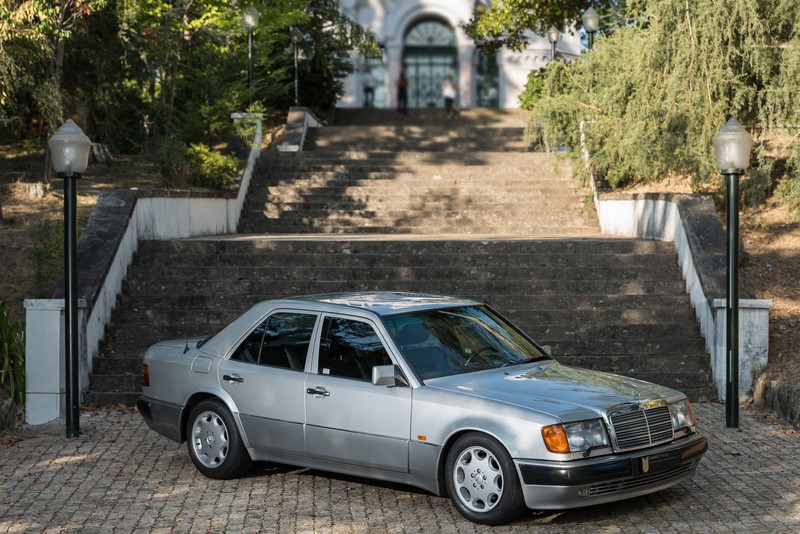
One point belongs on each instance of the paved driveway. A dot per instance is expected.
(121, 477)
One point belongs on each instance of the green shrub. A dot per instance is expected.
(211, 169)
(171, 159)
(12, 354)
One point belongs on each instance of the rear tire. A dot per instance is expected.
(482, 480)
(214, 443)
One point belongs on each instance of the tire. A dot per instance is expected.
(214, 443)
(482, 480)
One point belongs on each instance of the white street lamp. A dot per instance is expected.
(250, 20)
(297, 37)
(732, 146)
(69, 151)
(591, 23)
(553, 35)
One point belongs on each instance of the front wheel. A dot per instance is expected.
(214, 443)
(482, 480)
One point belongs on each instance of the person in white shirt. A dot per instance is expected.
(449, 93)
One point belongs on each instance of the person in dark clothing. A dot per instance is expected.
(368, 81)
(402, 94)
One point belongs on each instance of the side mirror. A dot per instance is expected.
(388, 375)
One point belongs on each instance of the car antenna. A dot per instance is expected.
(186, 348)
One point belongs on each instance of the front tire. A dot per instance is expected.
(214, 444)
(482, 480)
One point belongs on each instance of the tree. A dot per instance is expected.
(652, 95)
(330, 38)
(508, 23)
(23, 51)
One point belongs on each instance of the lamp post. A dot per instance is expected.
(250, 21)
(591, 23)
(732, 145)
(553, 36)
(69, 150)
(297, 36)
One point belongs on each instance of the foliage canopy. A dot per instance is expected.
(650, 96)
(135, 72)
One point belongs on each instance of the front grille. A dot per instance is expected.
(641, 428)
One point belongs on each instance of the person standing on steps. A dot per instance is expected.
(449, 93)
(402, 94)
(368, 82)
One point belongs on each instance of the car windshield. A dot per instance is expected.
(445, 342)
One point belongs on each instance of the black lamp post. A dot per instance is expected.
(553, 36)
(591, 23)
(69, 150)
(250, 21)
(732, 145)
(297, 36)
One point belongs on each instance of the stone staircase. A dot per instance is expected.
(502, 225)
(414, 177)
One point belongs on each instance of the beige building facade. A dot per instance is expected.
(425, 39)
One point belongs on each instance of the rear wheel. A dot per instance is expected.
(214, 443)
(482, 480)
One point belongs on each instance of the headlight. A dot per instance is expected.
(682, 415)
(575, 437)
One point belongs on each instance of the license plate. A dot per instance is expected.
(655, 463)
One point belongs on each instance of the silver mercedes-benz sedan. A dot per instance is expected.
(437, 392)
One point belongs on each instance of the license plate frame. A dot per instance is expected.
(656, 463)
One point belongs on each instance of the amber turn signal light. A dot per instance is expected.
(555, 439)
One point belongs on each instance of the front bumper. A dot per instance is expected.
(562, 485)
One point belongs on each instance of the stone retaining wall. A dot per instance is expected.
(779, 398)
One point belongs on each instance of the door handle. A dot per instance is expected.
(318, 391)
(233, 378)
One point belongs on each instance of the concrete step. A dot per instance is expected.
(465, 164)
(518, 259)
(345, 272)
(408, 245)
(399, 159)
(464, 119)
(457, 196)
(493, 290)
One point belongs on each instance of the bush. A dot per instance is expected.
(171, 159)
(212, 169)
(12, 354)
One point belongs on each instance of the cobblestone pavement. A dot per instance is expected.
(119, 476)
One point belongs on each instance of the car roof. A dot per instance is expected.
(385, 303)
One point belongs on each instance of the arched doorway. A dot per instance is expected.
(429, 55)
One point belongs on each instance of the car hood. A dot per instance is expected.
(568, 393)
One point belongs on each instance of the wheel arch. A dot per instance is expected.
(196, 399)
(447, 446)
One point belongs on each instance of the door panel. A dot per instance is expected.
(265, 376)
(271, 403)
(348, 419)
(358, 423)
